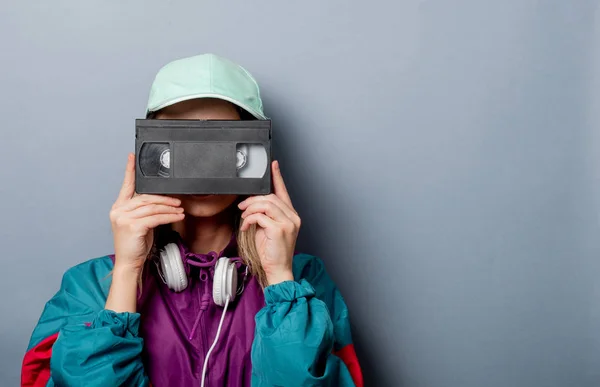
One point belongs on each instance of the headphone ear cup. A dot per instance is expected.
(172, 268)
(225, 281)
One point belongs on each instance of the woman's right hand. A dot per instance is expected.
(133, 219)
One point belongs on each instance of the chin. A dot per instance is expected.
(206, 206)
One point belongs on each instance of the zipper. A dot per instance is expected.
(200, 326)
(193, 332)
(205, 304)
(204, 350)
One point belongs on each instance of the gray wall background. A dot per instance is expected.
(444, 156)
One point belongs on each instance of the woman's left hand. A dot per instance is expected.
(278, 225)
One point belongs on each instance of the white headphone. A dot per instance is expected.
(174, 276)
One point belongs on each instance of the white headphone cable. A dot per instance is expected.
(215, 342)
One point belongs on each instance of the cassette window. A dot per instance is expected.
(251, 160)
(155, 159)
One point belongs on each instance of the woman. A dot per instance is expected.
(114, 320)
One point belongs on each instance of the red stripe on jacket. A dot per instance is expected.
(348, 356)
(36, 364)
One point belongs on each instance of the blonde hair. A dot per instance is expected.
(249, 253)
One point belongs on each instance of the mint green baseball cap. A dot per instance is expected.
(205, 76)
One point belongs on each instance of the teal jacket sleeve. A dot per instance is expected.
(76, 342)
(303, 333)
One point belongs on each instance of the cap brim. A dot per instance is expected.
(173, 101)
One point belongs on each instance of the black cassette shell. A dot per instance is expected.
(201, 156)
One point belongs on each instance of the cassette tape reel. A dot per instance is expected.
(155, 159)
(203, 157)
(251, 160)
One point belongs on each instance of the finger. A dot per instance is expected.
(261, 219)
(267, 208)
(278, 184)
(128, 187)
(154, 221)
(154, 209)
(143, 200)
(290, 212)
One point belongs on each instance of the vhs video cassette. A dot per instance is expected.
(203, 157)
